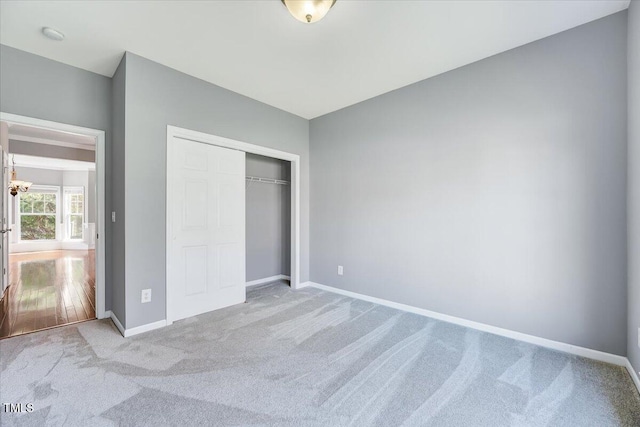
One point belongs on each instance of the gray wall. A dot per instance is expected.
(40, 176)
(38, 87)
(633, 350)
(34, 86)
(268, 227)
(116, 181)
(495, 192)
(157, 96)
(51, 151)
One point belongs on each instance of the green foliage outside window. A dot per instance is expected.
(37, 216)
(38, 227)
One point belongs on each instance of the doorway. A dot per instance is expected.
(175, 134)
(53, 254)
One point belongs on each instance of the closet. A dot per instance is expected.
(268, 219)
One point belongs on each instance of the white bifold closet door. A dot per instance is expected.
(206, 202)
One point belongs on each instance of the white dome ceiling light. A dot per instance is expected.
(308, 11)
(52, 34)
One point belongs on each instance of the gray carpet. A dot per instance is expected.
(305, 358)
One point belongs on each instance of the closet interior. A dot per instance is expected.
(268, 219)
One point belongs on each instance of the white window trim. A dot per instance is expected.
(34, 189)
(73, 189)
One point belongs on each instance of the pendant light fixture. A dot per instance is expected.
(16, 185)
(308, 11)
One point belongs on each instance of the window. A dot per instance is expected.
(74, 212)
(38, 212)
(45, 213)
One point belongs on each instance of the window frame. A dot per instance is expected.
(73, 190)
(40, 189)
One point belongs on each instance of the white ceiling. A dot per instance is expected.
(360, 50)
(25, 161)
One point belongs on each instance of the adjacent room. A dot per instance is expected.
(51, 234)
(320, 213)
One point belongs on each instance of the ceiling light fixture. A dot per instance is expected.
(308, 11)
(16, 185)
(52, 34)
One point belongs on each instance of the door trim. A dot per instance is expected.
(191, 135)
(99, 136)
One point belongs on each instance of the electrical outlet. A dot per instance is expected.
(146, 296)
(340, 270)
(113, 217)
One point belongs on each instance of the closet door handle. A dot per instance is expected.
(5, 231)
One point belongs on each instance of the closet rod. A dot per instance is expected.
(267, 180)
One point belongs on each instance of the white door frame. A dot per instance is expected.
(191, 135)
(99, 136)
(4, 221)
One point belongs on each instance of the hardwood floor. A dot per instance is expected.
(48, 289)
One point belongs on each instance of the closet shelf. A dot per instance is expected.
(266, 180)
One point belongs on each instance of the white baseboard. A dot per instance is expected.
(303, 285)
(137, 330)
(145, 328)
(634, 375)
(543, 342)
(46, 246)
(267, 280)
(116, 322)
